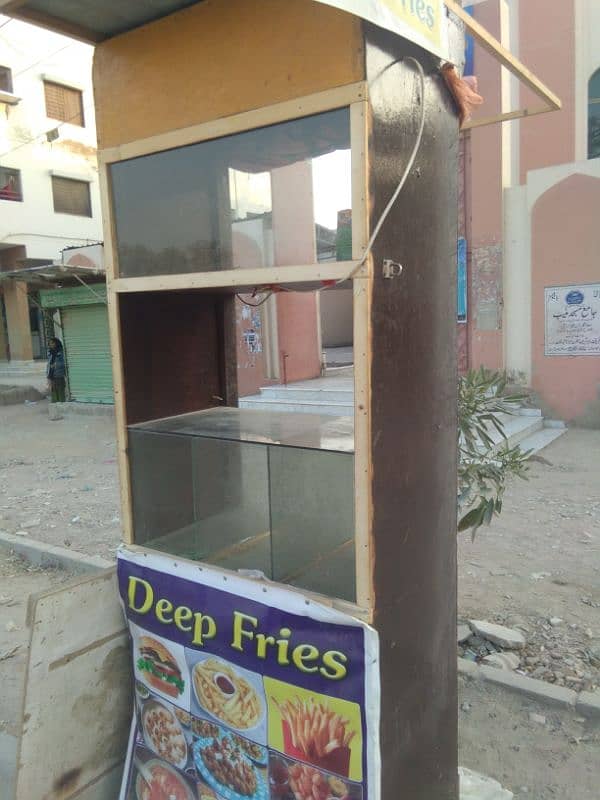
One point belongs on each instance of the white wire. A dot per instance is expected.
(405, 174)
(392, 200)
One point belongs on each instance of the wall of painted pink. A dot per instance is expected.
(294, 243)
(547, 47)
(484, 210)
(564, 250)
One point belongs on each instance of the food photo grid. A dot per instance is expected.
(210, 730)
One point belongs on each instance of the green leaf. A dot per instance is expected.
(471, 519)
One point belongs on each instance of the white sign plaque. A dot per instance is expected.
(572, 320)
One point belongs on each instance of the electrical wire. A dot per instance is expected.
(43, 134)
(405, 174)
(270, 293)
(386, 210)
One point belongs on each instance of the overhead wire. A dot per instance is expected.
(42, 134)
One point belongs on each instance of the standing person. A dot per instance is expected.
(55, 370)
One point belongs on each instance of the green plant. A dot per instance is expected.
(484, 466)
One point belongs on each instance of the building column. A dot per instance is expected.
(17, 321)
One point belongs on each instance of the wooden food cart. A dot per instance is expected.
(366, 515)
(213, 122)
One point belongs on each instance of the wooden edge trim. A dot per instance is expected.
(359, 131)
(327, 100)
(507, 116)
(355, 610)
(508, 60)
(232, 278)
(114, 329)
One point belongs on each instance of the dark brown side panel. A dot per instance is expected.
(173, 353)
(413, 324)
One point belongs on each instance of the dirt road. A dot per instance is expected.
(539, 561)
(58, 480)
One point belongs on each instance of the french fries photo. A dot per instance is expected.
(226, 695)
(316, 730)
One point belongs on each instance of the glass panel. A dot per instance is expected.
(161, 484)
(248, 489)
(272, 196)
(312, 518)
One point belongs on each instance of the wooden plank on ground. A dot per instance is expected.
(78, 693)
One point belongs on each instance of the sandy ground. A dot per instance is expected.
(539, 560)
(551, 755)
(58, 480)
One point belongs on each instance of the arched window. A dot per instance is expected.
(594, 115)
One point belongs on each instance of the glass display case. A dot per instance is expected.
(223, 203)
(251, 489)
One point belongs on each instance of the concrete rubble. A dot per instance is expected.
(474, 786)
(509, 638)
(508, 661)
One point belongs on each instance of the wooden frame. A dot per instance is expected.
(241, 279)
(353, 95)
(316, 103)
(359, 133)
(114, 327)
(513, 65)
(306, 275)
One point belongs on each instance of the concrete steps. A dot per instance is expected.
(527, 428)
(330, 395)
(304, 407)
(21, 369)
(334, 395)
(517, 427)
(537, 441)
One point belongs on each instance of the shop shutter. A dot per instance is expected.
(87, 346)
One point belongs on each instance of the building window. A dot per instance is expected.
(71, 196)
(64, 103)
(10, 184)
(6, 84)
(594, 115)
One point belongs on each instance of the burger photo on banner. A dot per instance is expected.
(161, 666)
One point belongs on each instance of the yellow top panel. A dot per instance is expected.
(218, 58)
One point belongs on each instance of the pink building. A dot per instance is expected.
(532, 209)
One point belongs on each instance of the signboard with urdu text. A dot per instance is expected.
(245, 690)
(572, 320)
(421, 21)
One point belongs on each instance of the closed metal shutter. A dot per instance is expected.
(87, 349)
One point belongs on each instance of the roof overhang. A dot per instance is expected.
(49, 275)
(91, 21)
(97, 20)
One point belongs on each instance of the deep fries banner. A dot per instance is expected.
(245, 690)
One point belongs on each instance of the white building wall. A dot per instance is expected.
(32, 53)
(517, 283)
